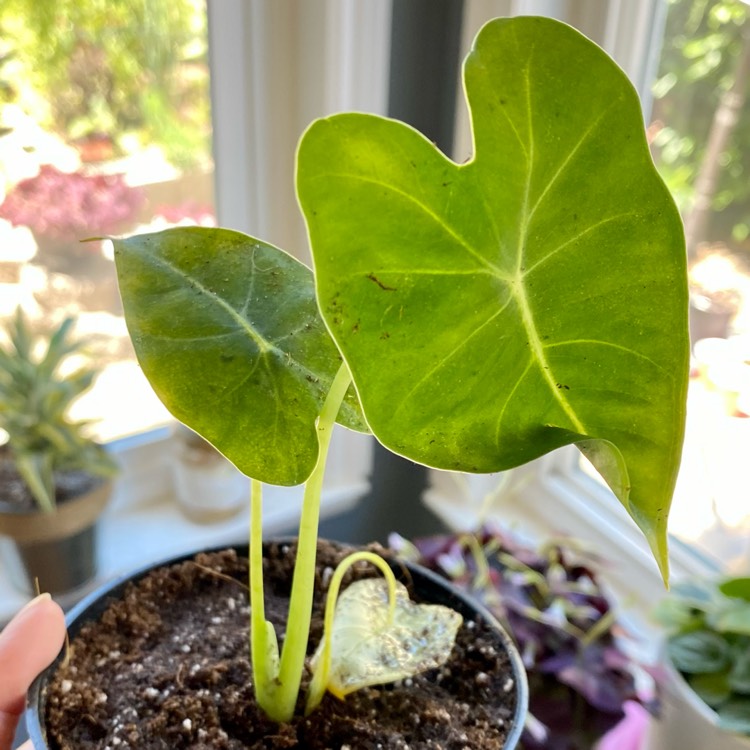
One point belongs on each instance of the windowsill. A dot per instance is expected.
(554, 498)
(143, 523)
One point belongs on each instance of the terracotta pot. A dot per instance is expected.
(57, 549)
(426, 585)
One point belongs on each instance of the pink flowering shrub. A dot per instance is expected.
(72, 206)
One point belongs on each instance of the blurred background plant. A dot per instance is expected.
(700, 138)
(43, 443)
(708, 642)
(581, 680)
(67, 206)
(112, 74)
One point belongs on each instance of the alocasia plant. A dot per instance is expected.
(486, 312)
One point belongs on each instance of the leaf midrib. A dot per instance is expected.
(265, 346)
(517, 287)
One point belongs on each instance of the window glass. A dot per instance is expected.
(104, 130)
(699, 132)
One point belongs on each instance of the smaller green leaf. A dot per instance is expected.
(227, 330)
(699, 652)
(736, 588)
(370, 648)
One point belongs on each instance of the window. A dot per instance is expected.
(105, 129)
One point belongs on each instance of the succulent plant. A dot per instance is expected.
(550, 600)
(34, 400)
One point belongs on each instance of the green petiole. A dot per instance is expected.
(320, 678)
(277, 683)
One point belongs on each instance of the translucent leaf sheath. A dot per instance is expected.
(533, 297)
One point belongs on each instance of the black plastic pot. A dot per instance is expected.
(427, 585)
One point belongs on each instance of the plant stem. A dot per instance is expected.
(263, 645)
(321, 671)
(294, 650)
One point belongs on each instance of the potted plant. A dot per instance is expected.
(207, 486)
(581, 680)
(707, 666)
(471, 317)
(54, 479)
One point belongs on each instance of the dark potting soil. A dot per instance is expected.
(167, 667)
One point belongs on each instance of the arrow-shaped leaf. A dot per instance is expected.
(227, 330)
(533, 297)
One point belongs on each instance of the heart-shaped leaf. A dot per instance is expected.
(370, 648)
(532, 297)
(227, 330)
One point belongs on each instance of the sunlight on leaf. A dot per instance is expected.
(532, 297)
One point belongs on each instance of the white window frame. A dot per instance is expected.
(275, 67)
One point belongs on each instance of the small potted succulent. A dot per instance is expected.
(54, 479)
(472, 317)
(580, 678)
(707, 665)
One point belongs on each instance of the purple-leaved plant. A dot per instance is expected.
(565, 628)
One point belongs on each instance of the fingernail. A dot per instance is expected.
(36, 600)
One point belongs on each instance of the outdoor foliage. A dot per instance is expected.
(564, 625)
(708, 626)
(114, 67)
(67, 207)
(704, 42)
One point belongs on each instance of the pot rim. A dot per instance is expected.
(93, 605)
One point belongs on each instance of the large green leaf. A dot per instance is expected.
(532, 297)
(227, 330)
